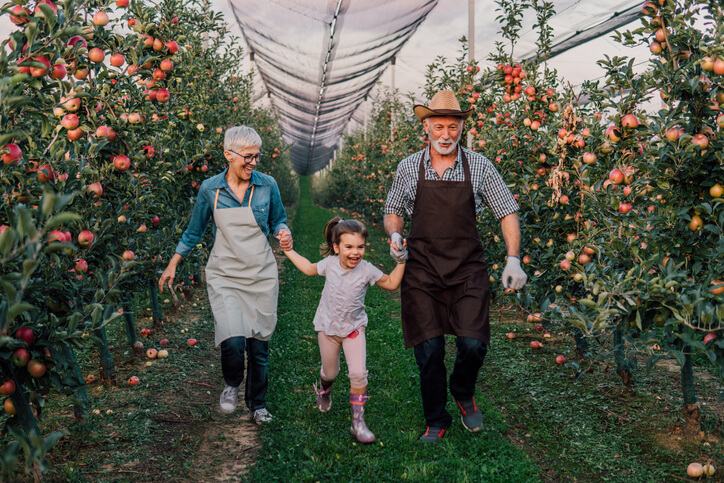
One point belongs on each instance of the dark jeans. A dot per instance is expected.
(430, 357)
(257, 377)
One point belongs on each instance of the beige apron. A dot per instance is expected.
(241, 276)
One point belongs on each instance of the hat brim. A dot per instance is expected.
(423, 112)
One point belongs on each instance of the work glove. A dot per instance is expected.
(513, 276)
(397, 251)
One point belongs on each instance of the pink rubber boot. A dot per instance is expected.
(359, 428)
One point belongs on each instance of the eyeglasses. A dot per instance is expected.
(249, 158)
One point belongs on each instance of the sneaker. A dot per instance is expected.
(470, 415)
(432, 434)
(262, 416)
(228, 399)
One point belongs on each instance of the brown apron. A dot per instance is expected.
(445, 286)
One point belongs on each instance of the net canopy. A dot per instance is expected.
(319, 60)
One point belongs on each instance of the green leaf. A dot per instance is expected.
(16, 309)
(62, 218)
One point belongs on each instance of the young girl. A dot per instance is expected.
(341, 319)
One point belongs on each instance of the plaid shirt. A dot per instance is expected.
(489, 188)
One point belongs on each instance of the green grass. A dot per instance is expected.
(303, 444)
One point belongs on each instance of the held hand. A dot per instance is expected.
(397, 248)
(513, 276)
(167, 276)
(285, 240)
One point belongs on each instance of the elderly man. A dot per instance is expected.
(445, 287)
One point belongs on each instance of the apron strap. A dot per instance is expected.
(216, 201)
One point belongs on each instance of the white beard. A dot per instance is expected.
(441, 150)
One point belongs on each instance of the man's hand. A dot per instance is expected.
(397, 249)
(285, 240)
(513, 276)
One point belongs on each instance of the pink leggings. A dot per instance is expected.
(355, 353)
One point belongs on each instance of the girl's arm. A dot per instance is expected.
(304, 265)
(394, 279)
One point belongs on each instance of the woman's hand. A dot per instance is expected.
(285, 239)
(169, 274)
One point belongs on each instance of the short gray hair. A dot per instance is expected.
(238, 138)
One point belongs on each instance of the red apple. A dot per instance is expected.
(122, 3)
(142, 229)
(560, 360)
(589, 158)
(151, 353)
(96, 55)
(708, 338)
(163, 341)
(121, 162)
(565, 264)
(510, 335)
(117, 60)
(81, 265)
(95, 190)
(85, 238)
(191, 342)
(157, 44)
(7, 388)
(75, 134)
(59, 72)
(70, 121)
(26, 335)
(719, 66)
(630, 121)
(134, 381)
(149, 151)
(616, 176)
(701, 140)
(172, 46)
(624, 207)
(155, 220)
(128, 255)
(20, 357)
(100, 18)
(162, 95)
(36, 368)
(12, 154)
(40, 71)
(535, 344)
(166, 65)
(19, 15)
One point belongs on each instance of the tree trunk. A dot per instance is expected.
(692, 409)
(156, 311)
(619, 354)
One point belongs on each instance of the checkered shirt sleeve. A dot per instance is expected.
(489, 187)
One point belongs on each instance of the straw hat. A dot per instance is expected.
(444, 103)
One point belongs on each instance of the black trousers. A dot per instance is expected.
(430, 357)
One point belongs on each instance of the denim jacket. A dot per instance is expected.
(266, 205)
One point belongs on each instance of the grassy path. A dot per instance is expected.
(305, 445)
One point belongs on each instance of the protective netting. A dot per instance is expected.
(579, 21)
(320, 59)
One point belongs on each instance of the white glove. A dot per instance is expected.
(397, 251)
(513, 276)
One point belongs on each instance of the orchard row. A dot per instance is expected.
(621, 208)
(112, 115)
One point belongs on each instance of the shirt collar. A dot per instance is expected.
(219, 181)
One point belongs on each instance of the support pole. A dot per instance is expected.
(251, 61)
(394, 98)
(471, 48)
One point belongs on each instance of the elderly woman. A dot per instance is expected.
(241, 274)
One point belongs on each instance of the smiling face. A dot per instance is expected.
(239, 170)
(444, 133)
(350, 249)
